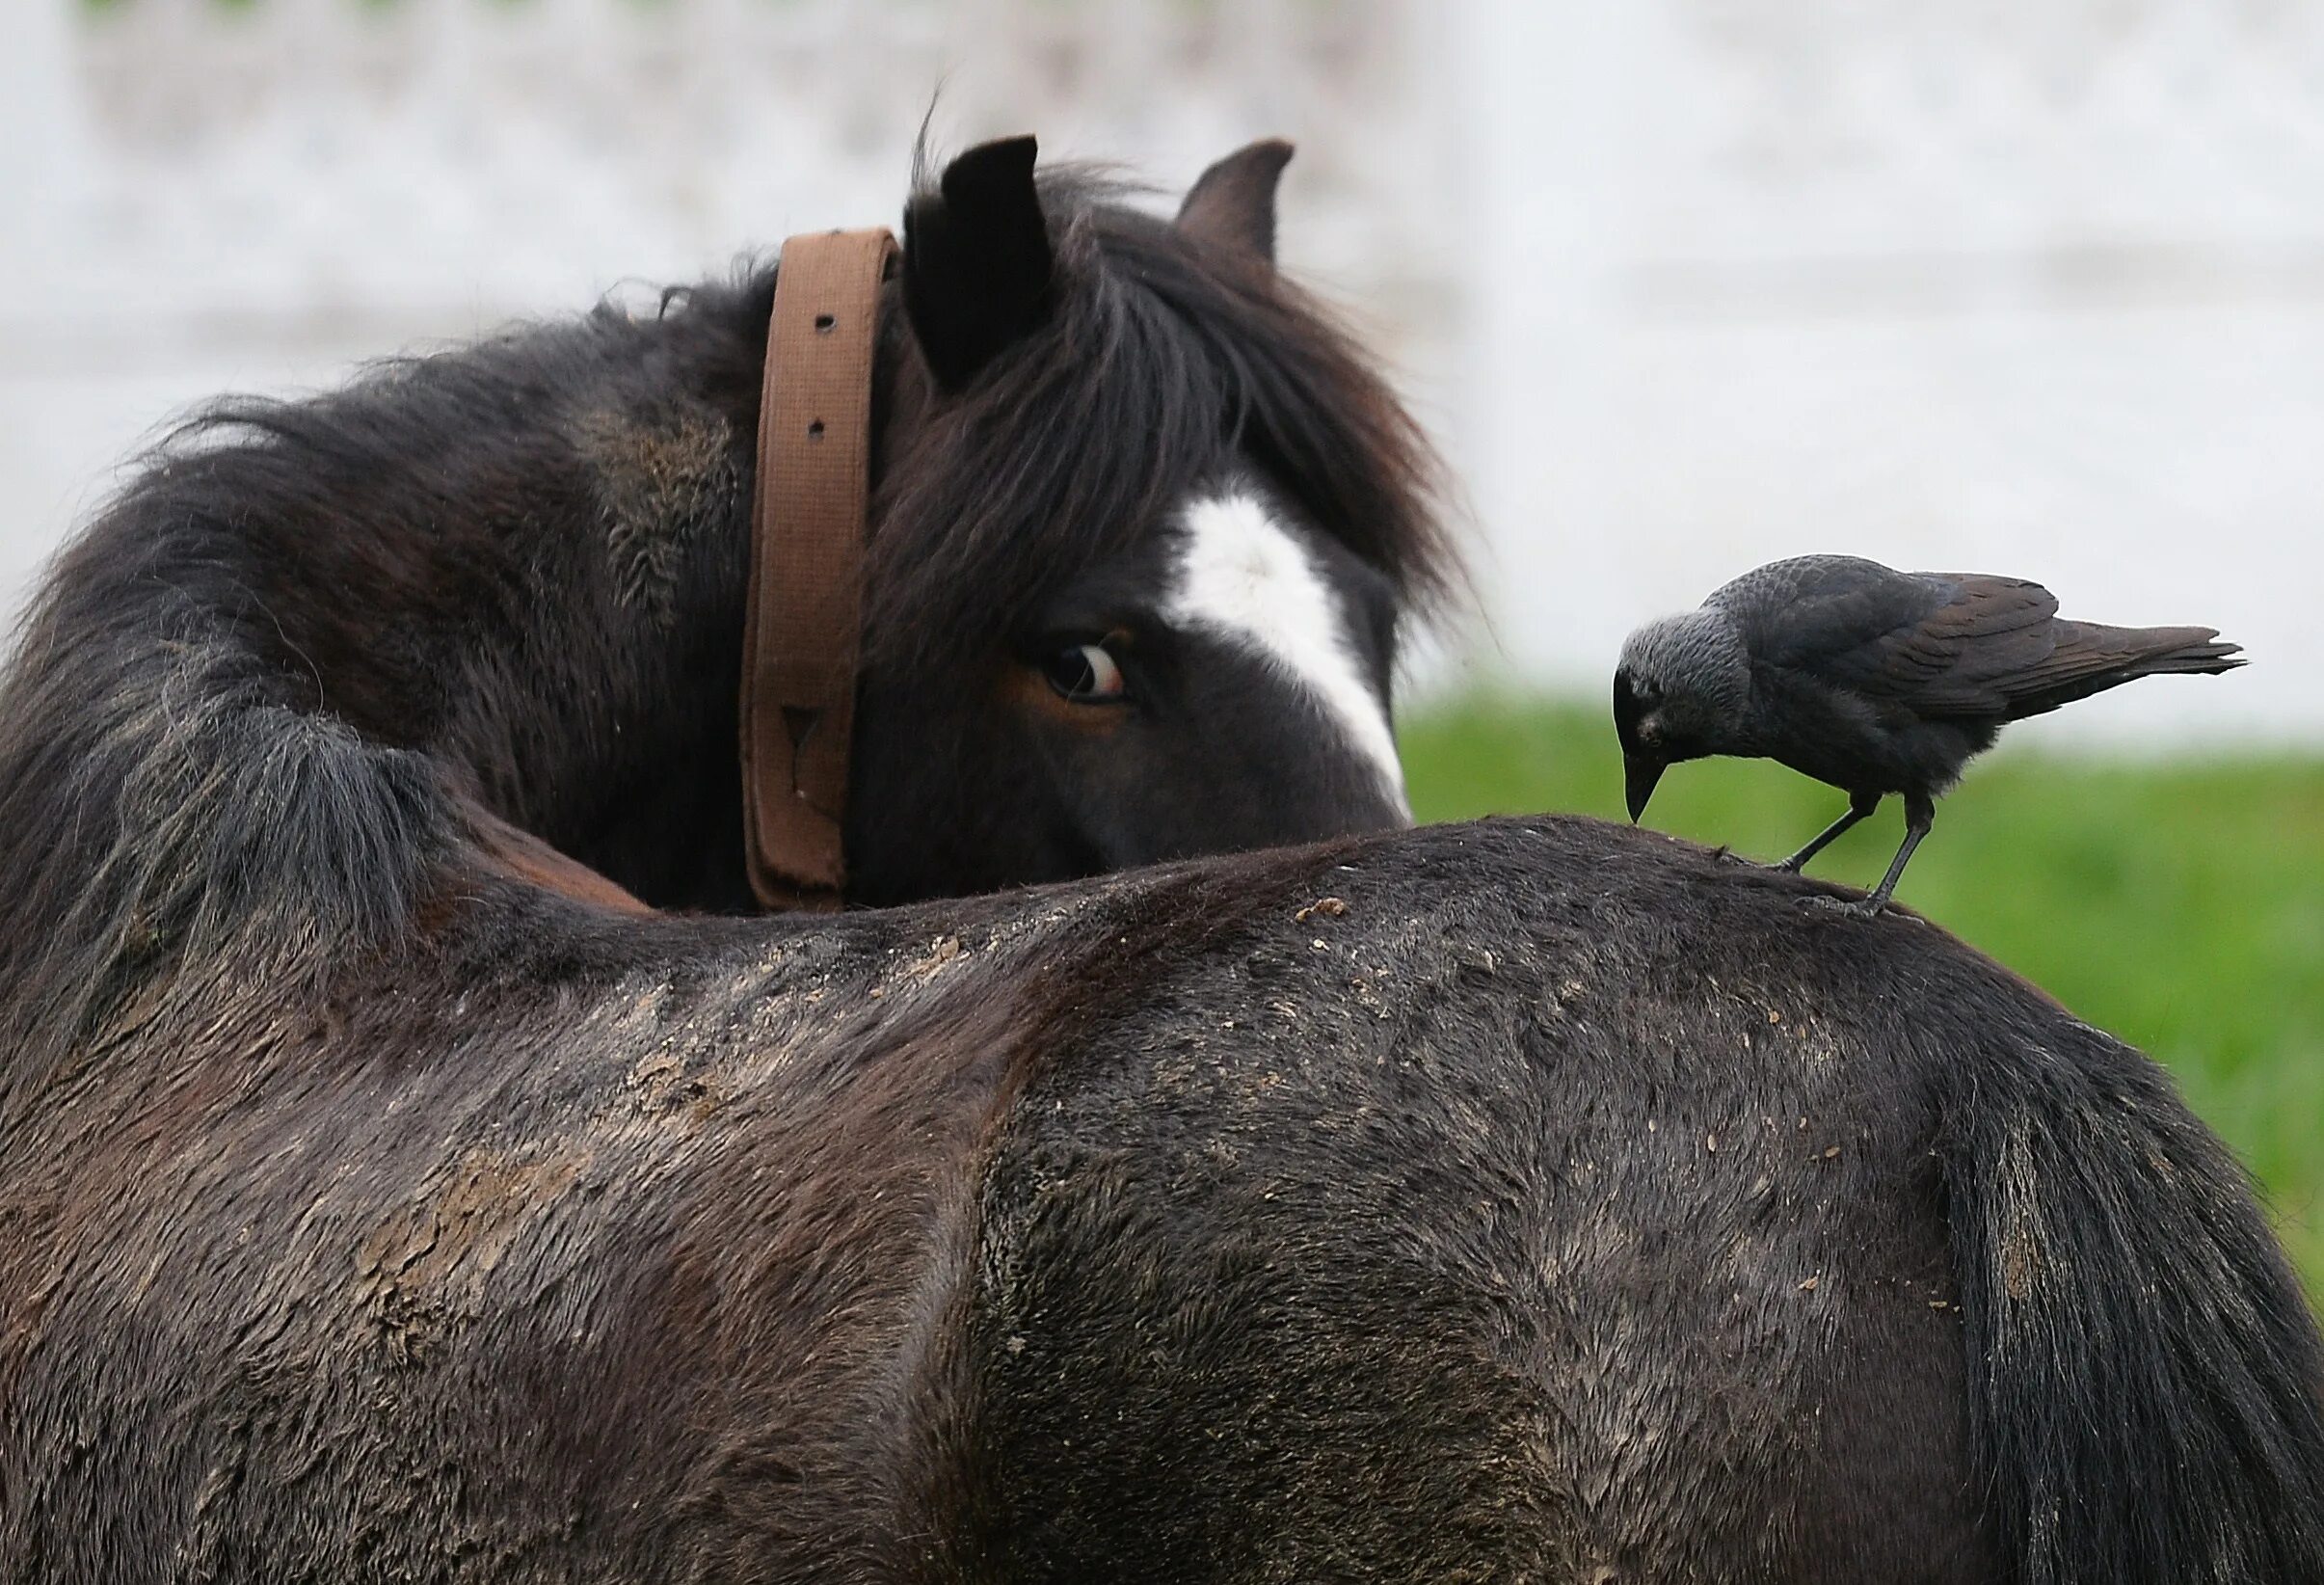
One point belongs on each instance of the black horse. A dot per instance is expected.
(379, 1200)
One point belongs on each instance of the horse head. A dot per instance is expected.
(1144, 532)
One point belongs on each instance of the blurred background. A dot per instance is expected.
(1680, 287)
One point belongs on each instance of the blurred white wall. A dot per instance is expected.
(2034, 287)
(1682, 284)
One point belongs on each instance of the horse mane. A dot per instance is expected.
(1165, 362)
(162, 801)
(185, 811)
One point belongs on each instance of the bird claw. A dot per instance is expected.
(1863, 908)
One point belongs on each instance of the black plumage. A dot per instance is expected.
(1872, 680)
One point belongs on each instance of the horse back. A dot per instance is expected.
(1507, 1203)
(1523, 1200)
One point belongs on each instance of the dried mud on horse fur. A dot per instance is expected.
(664, 478)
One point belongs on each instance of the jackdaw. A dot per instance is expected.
(1872, 680)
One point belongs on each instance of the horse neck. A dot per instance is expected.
(551, 557)
(312, 657)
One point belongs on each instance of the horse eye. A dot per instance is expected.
(1085, 674)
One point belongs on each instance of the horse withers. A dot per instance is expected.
(1521, 1201)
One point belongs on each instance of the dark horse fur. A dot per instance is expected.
(1559, 1205)
(383, 1199)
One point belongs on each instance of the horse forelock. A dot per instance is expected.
(1164, 365)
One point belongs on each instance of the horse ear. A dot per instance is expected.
(1234, 202)
(976, 260)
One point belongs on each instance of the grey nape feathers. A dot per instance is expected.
(1872, 680)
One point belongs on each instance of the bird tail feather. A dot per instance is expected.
(2206, 659)
(2090, 657)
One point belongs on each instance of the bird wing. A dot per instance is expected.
(1809, 581)
(1939, 643)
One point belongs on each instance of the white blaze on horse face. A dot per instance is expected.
(1246, 577)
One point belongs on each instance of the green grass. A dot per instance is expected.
(2179, 904)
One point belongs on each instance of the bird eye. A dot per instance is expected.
(1086, 674)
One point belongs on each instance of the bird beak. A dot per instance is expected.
(1638, 776)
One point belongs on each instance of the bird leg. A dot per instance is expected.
(1859, 805)
(1920, 814)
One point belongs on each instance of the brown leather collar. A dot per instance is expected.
(804, 628)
